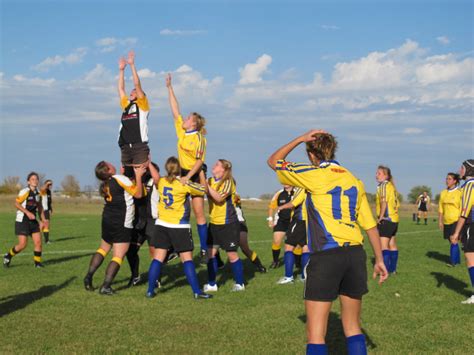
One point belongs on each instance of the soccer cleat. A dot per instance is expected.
(470, 300)
(238, 288)
(6, 260)
(134, 281)
(202, 295)
(204, 257)
(88, 283)
(275, 264)
(261, 269)
(150, 294)
(108, 291)
(171, 257)
(450, 265)
(210, 288)
(39, 266)
(286, 280)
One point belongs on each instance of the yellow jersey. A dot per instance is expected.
(224, 212)
(298, 203)
(386, 192)
(450, 205)
(467, 206)
(191, 145)
(174, 207)
(336, 203)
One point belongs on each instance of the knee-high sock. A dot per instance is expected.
(275, 252)
(386, 259)
(190, 272)
(316, 349)
(304, 261)
(289, 259)
(153, 274)
(238, 271)
(133, 259)
(220, 263)
(202, 232)
(96, 261)
(212, 271)
(454, 254)
(426, 220)
(46, 235)
(37, 257)
(11, 253)
(393, 260)
(111, 272)
(356, 345)
(471, 275)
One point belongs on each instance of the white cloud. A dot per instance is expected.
(109, 44)
(444, 40)
(330, 27)
(33, 81)
(74, 57)
(168, 32)
(252, 72)
(444, 69)
(146, 73)
(412, 130)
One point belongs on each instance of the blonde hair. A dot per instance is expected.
(173, 169)
(386, 170)
(200, 122)
(323, 147)
(227, 165)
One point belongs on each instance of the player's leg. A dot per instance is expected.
(384, 242)
(18, 248)
(96, 261)
(38, 249)
(198, 208)
(298, 252)
(304, 261)
(418, 217)
(154, 271)
(119, 252)
(46, 229)
(191, 276)
(249, 253)
(392, 245)
(211, 266)
(350, 316)
(276, 247)
(317, 314)
(289, 261)
(470, 267)
(425, 216)
(237, 270)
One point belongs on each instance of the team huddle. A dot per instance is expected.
(319, 212)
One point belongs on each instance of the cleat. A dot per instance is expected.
(134, 281)
(450, 265)
(238, 288)
(210, 288)
(6, 260)
(470, 300)
(202, 295)
(39, 266)
(171, 257)
(150, 294)
(275, 264)
(204, 257)
(286, 280)
(261, 269)
(108, 291)
(88, 283)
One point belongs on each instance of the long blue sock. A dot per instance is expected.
(393, 260)
(471, 275)
(190, 272)
(289, 259)
(304, 261)
(202, 231)
(238, 271)
(457, 254)
(356, 345)
(452, 253)
(386, 259)
(316, 349)
(212, 271)
(153, 274)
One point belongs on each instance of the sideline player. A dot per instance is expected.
(423, 202)
(47, 203)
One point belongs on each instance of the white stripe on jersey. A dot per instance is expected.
(20, 214)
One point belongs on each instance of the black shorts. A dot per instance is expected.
(334, 272)
(296, 234)
(281, 226)
(136, 153)
(225, 236)
(467, 238)
(387, 229)
(27, 227)
(115, 233)
(139, 236)
(243, 227)
(180, 239)
(448, 230)
(195, 178)
(422, 208)
(47, 215)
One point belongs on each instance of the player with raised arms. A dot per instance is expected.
(28, 205)
(464, 226)
(118, 192)
(191, 148)
(449, 209)
(386, 205)
(224, 227)
(335, 207)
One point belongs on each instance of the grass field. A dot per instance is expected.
(47, 310)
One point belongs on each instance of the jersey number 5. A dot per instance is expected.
(168, 200)
(336, 202)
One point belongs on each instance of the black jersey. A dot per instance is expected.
(46, 200)
(147, 206)
(28, 199)
(119, 207)
(423, 202)
(279, 199)
(134, 122)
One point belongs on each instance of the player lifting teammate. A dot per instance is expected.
(335, 207)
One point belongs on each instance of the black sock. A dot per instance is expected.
(95, 263)
(257, 262)
(110, 273)
(12, 252)
(220, 263)
(426, 220)
(133, 259)
(37, 257)
(276, 255)
(298, 261)
(46, 236)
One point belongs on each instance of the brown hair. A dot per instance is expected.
(386, 170)
(173, 169)
(32, 174)
(456, 177)
(102, 173)
(227, 172)
(323, 147)
(200, 122)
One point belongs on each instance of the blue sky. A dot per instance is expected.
(393, 80)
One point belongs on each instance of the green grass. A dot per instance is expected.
(48, 311)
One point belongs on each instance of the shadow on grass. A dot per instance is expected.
(65, 259)
(59, 240)
(14, 303)
(452, 283)
(438, 256)
(335, 338)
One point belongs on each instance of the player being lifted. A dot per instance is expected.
(464, 227)
(28, 205)
(133, 135)
(47, 203)
(449, 209)
(191, 148)
(335, 207)
(423, 203)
